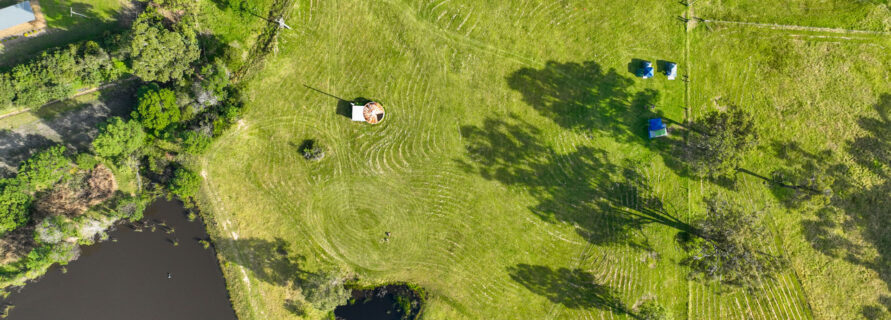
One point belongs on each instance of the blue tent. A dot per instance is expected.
(671, 70)
(646, 70)
(657, 128)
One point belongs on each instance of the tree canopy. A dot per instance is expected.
(185, 183)
(732, 246)
(156, 108)
(118, 138)
(57, 73)
(160, 54)
(722, 136)
(43, 169)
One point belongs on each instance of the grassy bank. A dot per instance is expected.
(513, 170)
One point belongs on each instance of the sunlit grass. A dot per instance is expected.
(507, 124)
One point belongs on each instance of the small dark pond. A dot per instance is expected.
(128, 278)
(391, 302)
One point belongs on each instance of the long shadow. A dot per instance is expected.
(573, 288)
(344, 107)
(604, 200)
(16, 147)
(854, 206)
(268, 261)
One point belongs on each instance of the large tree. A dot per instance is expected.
(160, 54)
(156, 108)
(718, 142)
(731, 245)
(118, 138)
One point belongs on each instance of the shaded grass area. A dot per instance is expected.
(62, 28)
(72, 122)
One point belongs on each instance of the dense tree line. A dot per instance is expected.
(183, 102)
(57, 74)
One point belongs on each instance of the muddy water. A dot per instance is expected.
(128, 278)
(381, 303)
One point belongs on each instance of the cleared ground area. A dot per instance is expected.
(513, 169)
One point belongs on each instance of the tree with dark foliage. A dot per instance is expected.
(160, 54)
(156, 108)
(731, 245)
(722, 137)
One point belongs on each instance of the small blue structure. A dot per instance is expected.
(671, 70)
(657, 128)
(646, 70)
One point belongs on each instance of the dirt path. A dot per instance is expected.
(102, 87)
(796, 27)
(75, 128)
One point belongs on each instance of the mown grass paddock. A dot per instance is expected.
(513, 169)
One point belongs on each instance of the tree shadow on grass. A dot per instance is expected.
(268, 261)
(16, 147)
(573, 288)
(604, 200)
(854, 206)
(585, 97)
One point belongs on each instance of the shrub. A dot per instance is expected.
(86, 161)
(43, 169)
(325, 290)
(14, 206)
(312, 150)
(650, 309)
(55, 74)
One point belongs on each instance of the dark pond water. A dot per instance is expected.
(392, 302)
(128, 279)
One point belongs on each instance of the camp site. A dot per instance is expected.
(445, 159)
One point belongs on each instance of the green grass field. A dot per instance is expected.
(513, 169)
(62, 27)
